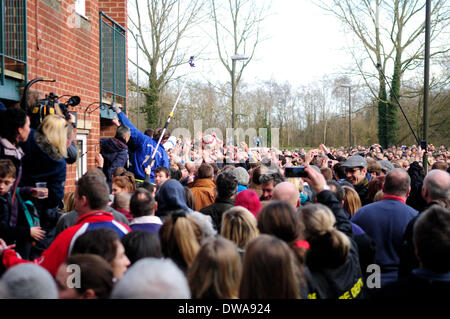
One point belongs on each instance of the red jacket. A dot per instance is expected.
(61, 247)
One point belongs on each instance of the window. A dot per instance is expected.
(13, 57)
(82, 155)
(80, 7)
(112, 65)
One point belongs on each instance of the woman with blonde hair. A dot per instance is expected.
(181, 239)
(69, 202)
(332, 257)
(47, 147)
(216, 271)
(239, 226)
(332, 254)
(351, 199)
(54, 127)
(45, 161)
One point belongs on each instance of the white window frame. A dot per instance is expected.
(80, 7)
(82, 160)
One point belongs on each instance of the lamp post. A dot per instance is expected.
(234, 58)
(349, 113)
(426, 88)
(137, 79)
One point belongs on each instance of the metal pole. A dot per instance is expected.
(233, 89)
(426, 83)
(349, 116)
(137, 80)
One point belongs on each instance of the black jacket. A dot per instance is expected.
(415, 200)
(366, 251)
(344, 281)
(216, 210)
(72, 153)
(363, 191)
(115, 154)
(19, 233)
(421, 284)
(408, 259)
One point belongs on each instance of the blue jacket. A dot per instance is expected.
(385, 222)
(241, 188)
(145, 146)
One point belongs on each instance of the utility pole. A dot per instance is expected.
(426, 85)
(137, 80)
(349, 113)
(234, 58)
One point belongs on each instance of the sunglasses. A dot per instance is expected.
(352, 170)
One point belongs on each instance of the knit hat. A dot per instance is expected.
(242, 175)
(209, 141)
(249, 199)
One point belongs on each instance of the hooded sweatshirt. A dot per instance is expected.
(115, 154)
(170, 197)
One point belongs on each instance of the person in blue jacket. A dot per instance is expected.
(145, 146)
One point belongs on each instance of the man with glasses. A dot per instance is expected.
(355, 173)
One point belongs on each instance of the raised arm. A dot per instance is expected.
(324, 196)
(137, 137)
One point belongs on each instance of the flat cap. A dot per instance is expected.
(355, 161)
(386, 165)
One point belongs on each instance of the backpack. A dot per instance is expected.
(29, 209)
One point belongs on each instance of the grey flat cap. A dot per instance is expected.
(386, 165)
(242, 175)
(355, 161)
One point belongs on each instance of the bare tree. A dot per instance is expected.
(391, 33)
(159, 28)
(237, 31)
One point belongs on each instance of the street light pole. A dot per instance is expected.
(137, 80)
(233, 90)
(350, 116)
(426, 88)
(234, 58)
(349, 113)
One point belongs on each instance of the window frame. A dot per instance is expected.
(117, 31)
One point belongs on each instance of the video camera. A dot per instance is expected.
(46, 106)
(49, 106)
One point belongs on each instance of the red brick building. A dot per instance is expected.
(79, 43)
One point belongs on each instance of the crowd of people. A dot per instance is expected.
(161, 217)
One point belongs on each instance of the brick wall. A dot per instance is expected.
(65, 46)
